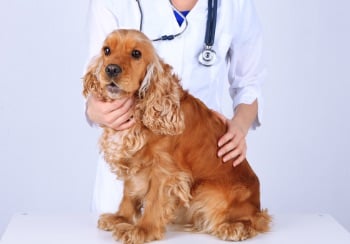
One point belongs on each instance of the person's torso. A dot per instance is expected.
(208, 83)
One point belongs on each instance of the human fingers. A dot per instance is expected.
(126, 125)
(224, 139)
(229, 140)
(105, 113)
(239, 160)
(238, 154)
(119, 115)
(120, 104)
(123, 121)
(233, 146)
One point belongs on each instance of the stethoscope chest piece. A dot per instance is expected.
(207, 57)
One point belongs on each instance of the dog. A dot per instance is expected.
(167, 159)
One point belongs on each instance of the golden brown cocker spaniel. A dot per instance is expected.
(168, 158)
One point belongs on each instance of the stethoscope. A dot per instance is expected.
(207, 56)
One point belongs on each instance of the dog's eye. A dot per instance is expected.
(107, 51)
(136, 54)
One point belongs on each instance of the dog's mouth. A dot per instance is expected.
(113, 88)
(114, 91)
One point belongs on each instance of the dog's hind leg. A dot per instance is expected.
(242, 228)
(226, 212)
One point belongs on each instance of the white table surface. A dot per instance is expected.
(76, 229)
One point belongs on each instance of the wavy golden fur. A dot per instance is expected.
(167, 159)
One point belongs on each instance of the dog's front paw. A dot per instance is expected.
(108, 222)
(131, 234)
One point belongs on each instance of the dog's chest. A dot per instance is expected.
(112, 145)
(120, 147)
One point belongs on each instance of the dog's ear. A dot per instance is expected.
(160, 94)
(90, 80)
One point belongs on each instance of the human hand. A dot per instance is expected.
(232, 145)
(116, 114)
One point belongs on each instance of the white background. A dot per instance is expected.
(48, 153)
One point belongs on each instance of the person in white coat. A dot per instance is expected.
(230, 84)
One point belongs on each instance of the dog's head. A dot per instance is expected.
(128, 65)
(122, 65)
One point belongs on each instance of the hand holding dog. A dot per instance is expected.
(116, 115)
(233, 145)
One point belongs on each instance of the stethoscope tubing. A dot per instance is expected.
(211, 23)
(207, 57)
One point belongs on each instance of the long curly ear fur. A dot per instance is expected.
(160, 94)
(90, 80)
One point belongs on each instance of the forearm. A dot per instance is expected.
(245, 115)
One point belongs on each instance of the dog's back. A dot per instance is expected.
(222, 195)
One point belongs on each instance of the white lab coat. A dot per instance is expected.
(236, 77)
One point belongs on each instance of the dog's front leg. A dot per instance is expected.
(151, 225)
(129, 209)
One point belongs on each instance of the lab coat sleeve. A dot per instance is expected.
(247, 70)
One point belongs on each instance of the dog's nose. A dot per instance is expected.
(112, 70)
